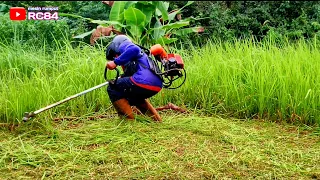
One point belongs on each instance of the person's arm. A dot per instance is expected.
(131, 52)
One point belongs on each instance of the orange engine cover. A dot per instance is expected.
(157, 50)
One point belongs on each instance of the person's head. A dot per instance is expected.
(113, 49)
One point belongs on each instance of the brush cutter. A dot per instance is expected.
(28, 115)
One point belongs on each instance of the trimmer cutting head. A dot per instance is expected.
(27, 116)
(25, 119)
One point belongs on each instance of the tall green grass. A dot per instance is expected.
(32, 78)
(242, 79)
(245, 79)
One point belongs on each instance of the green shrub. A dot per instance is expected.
(35, 33)
(242, 19)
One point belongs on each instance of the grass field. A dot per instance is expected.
(182, 147)
(241, 79)
(274, 88)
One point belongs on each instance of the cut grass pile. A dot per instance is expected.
(182, 147)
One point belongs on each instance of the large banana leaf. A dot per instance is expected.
(162, 9)
(147, 9)
(121, 17)
(135, 19)
(134, 16)
(136, 32)
(157, 30)
(176, 25)
(116, 10)
(129, 4)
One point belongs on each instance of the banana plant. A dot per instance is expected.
(146, 22)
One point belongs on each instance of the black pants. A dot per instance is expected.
(125, 88)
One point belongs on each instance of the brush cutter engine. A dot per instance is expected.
(173, 65)
(172, 70)
(169, 67)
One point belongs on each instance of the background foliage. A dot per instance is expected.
(224, 20)
(244, 19)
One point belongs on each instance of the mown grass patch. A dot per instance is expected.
(182, 147)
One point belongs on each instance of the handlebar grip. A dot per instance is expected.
(105, 74)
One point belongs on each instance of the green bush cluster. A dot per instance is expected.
(230, 20)
(33, 33)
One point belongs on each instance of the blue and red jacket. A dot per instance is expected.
(143, 77)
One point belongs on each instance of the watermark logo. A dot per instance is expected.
(43, 13)
(34, 13)
(17, 13)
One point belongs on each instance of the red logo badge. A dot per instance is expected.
(17, 13)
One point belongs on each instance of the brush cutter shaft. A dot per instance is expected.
(69, 98)
(32, 114)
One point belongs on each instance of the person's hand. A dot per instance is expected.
(111, 65)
